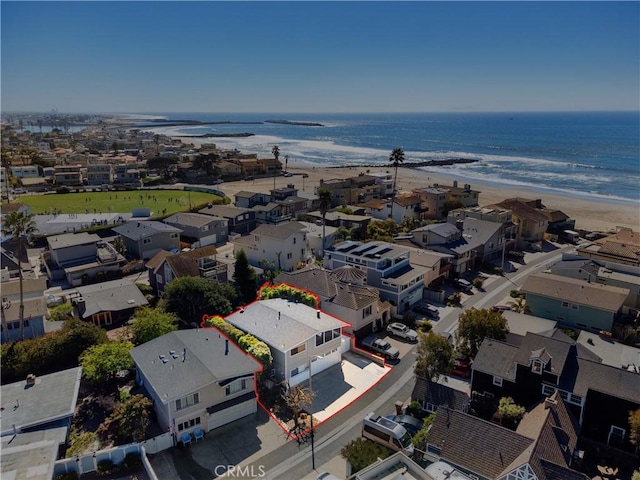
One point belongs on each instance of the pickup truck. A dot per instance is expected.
(381, 347)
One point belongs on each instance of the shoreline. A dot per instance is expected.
(593, 215)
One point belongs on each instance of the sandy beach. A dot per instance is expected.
(589, 214)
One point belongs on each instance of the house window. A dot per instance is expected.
(429, 407)
(366, 311)
(205, 228)
(300, 369)
(574, 307)
(189, 424)
(576, 399)
(497, 381)
(294, 240)
(300, 348)
(173, 235)
(537, 366)
(289, 256)
(146, 241)
(564, 304)
(187, 401)
(236, 386)
(616, 435)
(548, 390)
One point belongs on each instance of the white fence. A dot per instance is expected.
(89, 463)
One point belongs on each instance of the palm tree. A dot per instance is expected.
(19, 225)
(396, 158)
(276, 151)
(324, 197)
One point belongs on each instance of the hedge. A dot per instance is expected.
(245, 341)
(289, 293)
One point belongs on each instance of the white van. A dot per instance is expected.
(387, 432)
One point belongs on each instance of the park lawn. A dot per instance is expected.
(118, 202)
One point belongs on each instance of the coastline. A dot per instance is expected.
(593, 215)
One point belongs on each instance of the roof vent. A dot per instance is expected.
(31, 379)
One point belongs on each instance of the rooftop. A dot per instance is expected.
(191, 219)
(184, 361)
(66, 240)
(31, 455)
(137, 230)
(283, 324)
(51, 398)
(112, 296)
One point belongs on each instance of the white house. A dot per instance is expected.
(299, 337)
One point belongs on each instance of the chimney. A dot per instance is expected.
(318, 313)
(31, 379)
(226, 347)
(278, 315)
(549, 403)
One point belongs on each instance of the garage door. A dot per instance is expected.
(323, 362)
(230, 414)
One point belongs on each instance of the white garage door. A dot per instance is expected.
(230, 414)
(325, 361)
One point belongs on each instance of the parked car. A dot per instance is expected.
(497, 308)
(218, 181)
(381, 347)
(17, 191)
(400, 330)
(247, 178)
(54, 300)
(424, 308)
(287, 174)
(461, 368)
(305, 175)
(411, 424)
(463, 284)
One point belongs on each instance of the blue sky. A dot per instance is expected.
(319, 56)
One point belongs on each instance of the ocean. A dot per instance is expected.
(594, 155)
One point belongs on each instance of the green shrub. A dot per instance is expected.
(290, 293)
(245, 341)
(478, 282)
(499, 271)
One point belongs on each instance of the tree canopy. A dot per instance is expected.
(192, 297)
(361, 453)
(100, 363)
(511, 413)
(49, 353)
(244, 276)
(129, 419)
(434, 356)
(383, 230)
(634, 423)
(149, 323)
(474, 325)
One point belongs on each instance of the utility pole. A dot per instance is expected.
(313, 454)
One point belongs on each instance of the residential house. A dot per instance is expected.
(99, 174)
(270, 166)
(346, 220)
(301, 338)
(274, 213)
(285, 245)
(196, 379)
(129, 175)
(199, 262)
(35, 309)
(245, 199)
(558, 221)
(108, 304)
(598, 394)
(406, 205)
(437, 265)
(432, 395)
(399, 466)
(25, 171)
(433, 201)
(39, 403)
(574, 303)
(622, 247)
(200, 230)
(67, 175)
(385, 180)
(81, 258)
(239, 220)
(229, 169)
(387, 268)
(529, 216)
(605, 273)
(146, 238)
(463, 195)
(343, 294)
(314, 237)
(469, 244)
(250, 167)
(543, 447)
(352, 190)
(612, 352)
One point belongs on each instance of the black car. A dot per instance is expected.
(424, 308)
(411, 424)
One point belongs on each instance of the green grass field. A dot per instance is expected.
(161, 202)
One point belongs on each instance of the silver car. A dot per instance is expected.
(400, 330)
